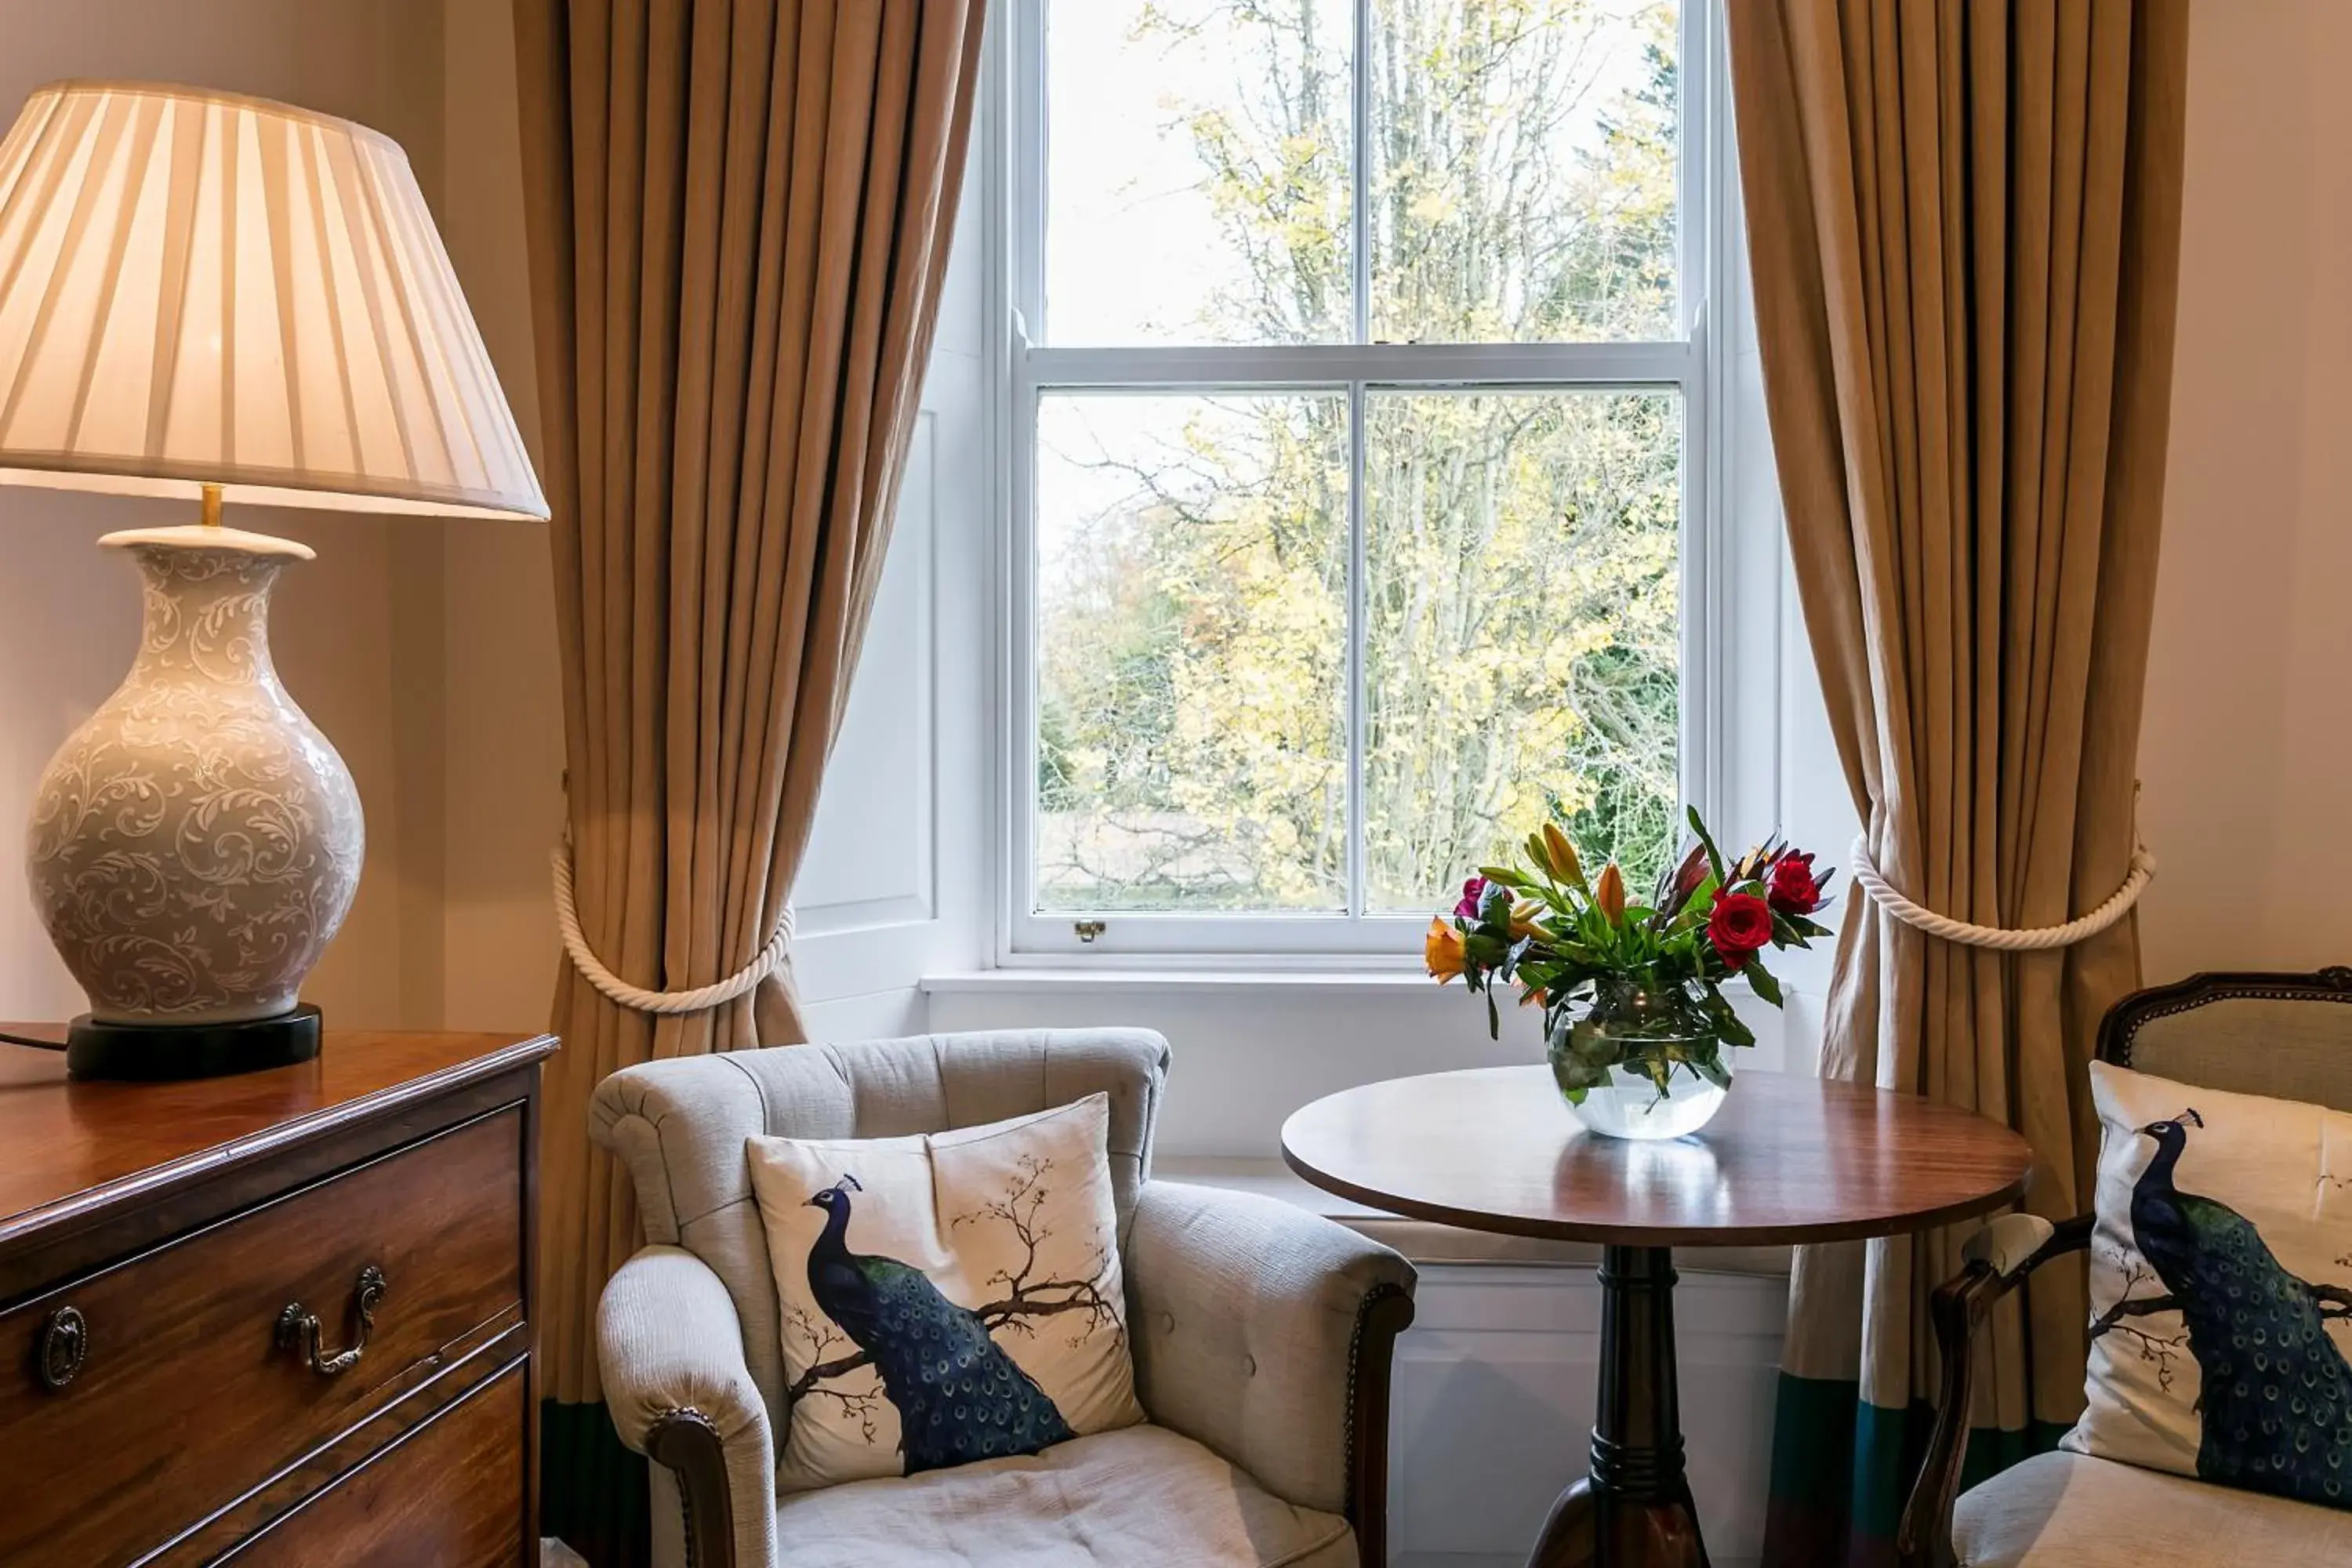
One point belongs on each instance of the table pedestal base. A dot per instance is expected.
(1634, 1506)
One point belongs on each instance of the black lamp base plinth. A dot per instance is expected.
(153, 1052)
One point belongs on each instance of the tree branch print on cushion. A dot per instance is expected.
(2158, 1350)
(827, 1371)
(1024, 1298)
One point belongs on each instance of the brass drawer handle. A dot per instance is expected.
(64, 1341)
(298, 1329)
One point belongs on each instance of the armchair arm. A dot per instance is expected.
(2000, 1258)
(1265, 1333)
(671, 1351)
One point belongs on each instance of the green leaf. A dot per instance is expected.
(1713, 855)
(1760, 981)
(1725, 1022)
(1795, 931)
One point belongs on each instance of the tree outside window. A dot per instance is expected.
(1322, 646)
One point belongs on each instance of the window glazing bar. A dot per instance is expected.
(1337, 364)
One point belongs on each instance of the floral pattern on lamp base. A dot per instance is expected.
(196, 842)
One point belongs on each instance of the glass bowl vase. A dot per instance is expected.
(1639, 1064)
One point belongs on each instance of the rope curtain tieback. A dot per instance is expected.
(663, 1003)
(2039, 939)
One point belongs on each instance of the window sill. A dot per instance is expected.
(1360, 1005)
(1138, 980)
(1066, 980)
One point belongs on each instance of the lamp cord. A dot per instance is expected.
(27, 1041)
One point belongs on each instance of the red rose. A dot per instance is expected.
(1794, 891)
(1740, 923)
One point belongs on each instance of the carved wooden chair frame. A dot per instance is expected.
(1959, 1308)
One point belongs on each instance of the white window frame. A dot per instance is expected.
(1714, 652)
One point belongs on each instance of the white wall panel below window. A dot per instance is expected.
(1251, 1048)
(1493, 1399)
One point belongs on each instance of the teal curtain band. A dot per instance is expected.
(1842, 1469)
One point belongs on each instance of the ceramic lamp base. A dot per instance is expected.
(153, 1052)
(196, 842)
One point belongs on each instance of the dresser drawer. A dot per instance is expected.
(449, 1494)
(188, 1391)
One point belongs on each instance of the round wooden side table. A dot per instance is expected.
(1787, 1160)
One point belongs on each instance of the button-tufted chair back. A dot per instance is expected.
(679, 1126)
(2281, 1034)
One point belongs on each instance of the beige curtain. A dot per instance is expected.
(1963, 226)
(738, 214)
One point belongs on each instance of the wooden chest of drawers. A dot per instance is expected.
(281, 1317)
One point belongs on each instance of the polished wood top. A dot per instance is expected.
(68, 1145)
(1786, 1159)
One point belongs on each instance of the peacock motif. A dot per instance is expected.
(959, 1396)
(2276, 1395)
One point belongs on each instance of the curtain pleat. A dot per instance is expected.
(1964, 237)
(738, 215)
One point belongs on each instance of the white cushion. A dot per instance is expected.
(1122, 1499)
(2066, 1510)
(959, 1293)
(2226, 1220)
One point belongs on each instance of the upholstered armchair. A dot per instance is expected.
(2285, 1036)
(1261, 1333)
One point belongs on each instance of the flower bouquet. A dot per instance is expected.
(1631, 993)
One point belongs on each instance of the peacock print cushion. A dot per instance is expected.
(946, 1298)
(2221, 1289)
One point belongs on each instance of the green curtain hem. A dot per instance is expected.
(1842, 1468)
(591, 1489)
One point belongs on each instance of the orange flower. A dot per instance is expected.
(1609, 893)
(1442, 950)
(1532, 997)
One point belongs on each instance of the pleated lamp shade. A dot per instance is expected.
(199, 289)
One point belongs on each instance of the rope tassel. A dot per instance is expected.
(2037, 939)
(664, 1003)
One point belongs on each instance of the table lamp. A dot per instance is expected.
(220, 299)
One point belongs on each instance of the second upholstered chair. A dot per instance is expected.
(1261, 1333)
(2288, 1036)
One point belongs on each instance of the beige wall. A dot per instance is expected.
(2246, 761)
(68, 613)
(499, 693)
